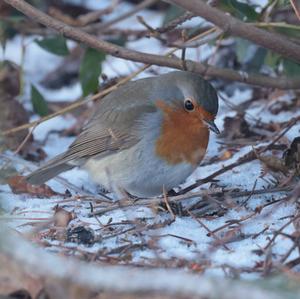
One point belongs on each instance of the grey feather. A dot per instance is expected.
(48, 171)
(113, 126)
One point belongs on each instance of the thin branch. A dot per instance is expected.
(73, 105)
(82, 20)
(296, 8)
(209, 231)
(231, 25)
(102, 26)
(94, 97)
(211, 193)
(121, 52)
(95, 15)
(252, 155)
(27, 137)
(197, 43)
(174, 23)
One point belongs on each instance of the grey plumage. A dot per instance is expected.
(48, 171)
(112, 128)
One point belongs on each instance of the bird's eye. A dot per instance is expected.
(188, 105)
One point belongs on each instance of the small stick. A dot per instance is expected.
(209, 231)
(167, 203)
(25, 140)
(296, 8)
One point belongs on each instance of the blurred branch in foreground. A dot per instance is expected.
(67, 275)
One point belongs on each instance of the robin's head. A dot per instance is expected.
(191, 95)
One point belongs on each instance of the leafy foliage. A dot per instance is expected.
(3, 33)
(6, 30)
(90, 70)
(38, 102)
(240, 10)
(56, 45)
(253, 57)
(291, 68)
(172, 13)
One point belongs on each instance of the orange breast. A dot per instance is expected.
(184, 138)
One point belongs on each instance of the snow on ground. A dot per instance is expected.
(141, 234)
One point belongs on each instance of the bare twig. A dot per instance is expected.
(236, 27)
(174, 23)
(296, 7)
(73, 105)
(279, 231)
(22, 144)
(149, 202)
(209, 231)
(197, 43)
(95, 15)
(204, 70)
(82, 20)
(137, 8)
(165, 195)
(252, 155)
(94, 97)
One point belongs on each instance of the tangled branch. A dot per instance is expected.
(284, 47)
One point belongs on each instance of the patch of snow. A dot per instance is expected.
(184, 238)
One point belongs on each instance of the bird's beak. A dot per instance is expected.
(212, 126)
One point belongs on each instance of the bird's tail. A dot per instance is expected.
(49, 170)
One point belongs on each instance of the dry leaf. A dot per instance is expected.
(62, 217)
(226, 155)
(292, 156)
(274, 163)
(19, 185)
(236, 127)
(12, 113)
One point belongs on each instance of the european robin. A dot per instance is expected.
(147, 135)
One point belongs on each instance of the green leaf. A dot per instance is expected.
(38, 102)
(7, 30)
(242, 48)
(16, 18)
(291, 68)
(56, 45)
(288, 30)
(250, 55)
(172, 13)
(90, 70)
(272, 59)
(238, 9)
(3, 33)
(283, 3)
(257, 60)
(121, 41)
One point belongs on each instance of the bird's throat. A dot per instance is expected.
(183, 138)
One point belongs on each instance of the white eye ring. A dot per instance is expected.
(189, 105)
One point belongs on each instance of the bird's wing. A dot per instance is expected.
(99, 141)
(113, 127)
